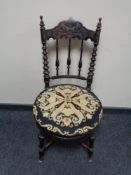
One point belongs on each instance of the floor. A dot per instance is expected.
(19, 147)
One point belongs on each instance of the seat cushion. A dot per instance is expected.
(67, 110)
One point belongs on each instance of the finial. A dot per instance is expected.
(100, 19)
(98, 31)
(98, 27)
(42, 25)
(41, 17)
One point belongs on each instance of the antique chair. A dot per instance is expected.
(68, 113)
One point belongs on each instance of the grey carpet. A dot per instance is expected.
(19, 146)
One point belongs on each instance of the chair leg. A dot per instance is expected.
(89, 145)
(44, 143)
(41, 144)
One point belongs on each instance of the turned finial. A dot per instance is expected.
(41, 17)
(98, 27)
(42, 25)
(98, 31)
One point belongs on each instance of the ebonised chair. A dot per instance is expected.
(68, 113)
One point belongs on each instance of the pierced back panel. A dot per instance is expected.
(69, 29)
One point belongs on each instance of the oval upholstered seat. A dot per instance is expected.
(67, 110)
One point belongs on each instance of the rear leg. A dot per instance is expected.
(44, 143)
(89, 145)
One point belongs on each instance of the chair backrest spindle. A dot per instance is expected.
(80, 61)
(69, 58)
(57, 58)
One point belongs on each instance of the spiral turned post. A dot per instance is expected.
(94, 53)
(45, 54)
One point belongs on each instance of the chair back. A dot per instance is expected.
(70, 30)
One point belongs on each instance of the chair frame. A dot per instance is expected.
(69, 29)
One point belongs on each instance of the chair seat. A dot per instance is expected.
(67, 110)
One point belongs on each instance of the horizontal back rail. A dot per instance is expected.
(68, 76)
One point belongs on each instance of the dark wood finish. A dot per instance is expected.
(45, 57)
(80, 61)
(89, 146)
(94, 53)
(69, 29)
(43, 146)
(57, 59)
(69, 58)
(92, 67)
(44, 142)
(68, 76)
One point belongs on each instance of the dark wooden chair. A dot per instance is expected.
(68, 113)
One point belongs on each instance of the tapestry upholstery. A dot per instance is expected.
(67, 110)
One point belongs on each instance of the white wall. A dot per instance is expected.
(20, 47)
